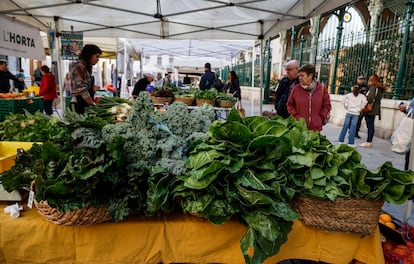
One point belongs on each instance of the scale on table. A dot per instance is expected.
(13, 196)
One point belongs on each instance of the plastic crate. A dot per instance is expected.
(67, 102)
(8, 151)
(6, 107)
(31, 104)
(17, 106)
(34, 89)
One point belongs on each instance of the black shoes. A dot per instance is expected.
(357, 136)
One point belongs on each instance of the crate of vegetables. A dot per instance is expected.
(19, 104)
(6, 107)
(31, 104)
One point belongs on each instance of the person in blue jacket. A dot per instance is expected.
(208, 78)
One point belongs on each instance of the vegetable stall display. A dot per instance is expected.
(248, 169)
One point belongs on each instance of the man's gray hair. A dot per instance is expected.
(293, 63)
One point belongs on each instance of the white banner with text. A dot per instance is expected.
(20, 39)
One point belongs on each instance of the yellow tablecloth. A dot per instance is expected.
(173, 238)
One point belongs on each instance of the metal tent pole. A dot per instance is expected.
(253, 62)
(261, 77)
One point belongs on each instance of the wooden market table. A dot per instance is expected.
(176, 238)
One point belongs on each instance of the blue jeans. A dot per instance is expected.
(370, 119)
(350, 123)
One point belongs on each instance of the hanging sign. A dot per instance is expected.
(51, 37)
(20, 39)
(72, 43)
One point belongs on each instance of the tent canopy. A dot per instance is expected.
(166, 19)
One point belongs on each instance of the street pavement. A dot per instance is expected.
(373, 157)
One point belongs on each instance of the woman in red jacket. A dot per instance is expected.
(309, 99)
(47, 89)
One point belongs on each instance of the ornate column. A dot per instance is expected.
(314, 31)
(283, 44)
(302, 42)
(375, 9)
(292, 43)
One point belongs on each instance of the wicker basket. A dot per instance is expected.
(226, 103)
(161, 100)
(84, 216)
(355, 215)
(200, 102)
(186, 101)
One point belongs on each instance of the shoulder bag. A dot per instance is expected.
(368, 106)
(240, 108)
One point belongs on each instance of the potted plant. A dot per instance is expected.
(205, 96)
(162, 95)
(225, 100)
(184, 97)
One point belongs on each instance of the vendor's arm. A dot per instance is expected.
(10, 76)
(81, 83)
(139, 87)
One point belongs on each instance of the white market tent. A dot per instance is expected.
(167, 19)
(104, 21)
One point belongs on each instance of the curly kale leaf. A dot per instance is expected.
(27, 166)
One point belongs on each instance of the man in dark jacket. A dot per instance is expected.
(5, 77)
(141, 85)
(208, 78)
(284, 87)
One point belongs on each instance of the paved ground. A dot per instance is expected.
(371, 157)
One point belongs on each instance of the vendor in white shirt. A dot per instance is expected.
(353, 102)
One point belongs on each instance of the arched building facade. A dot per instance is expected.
(368, 37)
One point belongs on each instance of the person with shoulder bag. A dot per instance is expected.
(374, 95)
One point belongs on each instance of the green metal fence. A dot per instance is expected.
(378, 51)
(387, 50)
(244, 72)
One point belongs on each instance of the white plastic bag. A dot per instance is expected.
(401, 138)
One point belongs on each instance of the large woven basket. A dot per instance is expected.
(186, 101)
(200, 102)
(161, 100)
(84, 216)
(354, 215)
(226, 103)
